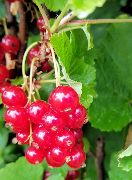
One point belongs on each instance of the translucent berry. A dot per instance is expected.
(17, 118)
(10, 44)
(76, 117)
(64, 98)
(51, 162)
(34, 52)
(58, 155)
(46, 67)
(42, 138)
(38, 109)
(76, 158)
(22, 137)
(34, 155)
(4, 73)
(14, 96)
(3, 86)
(65, 139)
(53, 121)
(40, 24)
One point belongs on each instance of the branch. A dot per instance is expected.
(95, 21)
(22, 32)
(99, 158)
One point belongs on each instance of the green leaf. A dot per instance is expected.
(116, 172)
(20, 170)
(53, 5)
(125, 159)
(76, 60)
(111, 110)
(83, 8)
(33, 38)
(2, 9)
(4, 133)
(56, 177)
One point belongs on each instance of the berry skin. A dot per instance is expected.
(22, 137)
(51, 162)
(14, 96)
(1, 53)
(76, 118)
(17, 118)
(78, 133)
(34, 52)
(46, 66)
(65, 139)
(64, 98)
(10, 44)
(36, 110)
(4, 73)
(72, 175)
(76, 158)
(53, 121)
(58, 155)
(42, 138)
(46, 175)
(40, 24)
(34, 155)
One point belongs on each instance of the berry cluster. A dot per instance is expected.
(53, 129)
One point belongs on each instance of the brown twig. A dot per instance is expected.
(22, 32)
(99, 158)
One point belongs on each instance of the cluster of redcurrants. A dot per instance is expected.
(53, 129)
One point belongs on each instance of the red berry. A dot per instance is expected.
(14, 96)
(46, 175)
(65, 139)
(64, 98)
(76, 158)
(76, 117)
(40, 24)
(78, 133)
(34, 52)
(46, 66)
(1, 53)
(42, 138)
(58, 155)
(53, 121)
(17, 118)
(3, 86)
(10, 44)
(36, 110)
(22, 137)
(72, 175)
(4, 73)
(50, 160)
(34, 155)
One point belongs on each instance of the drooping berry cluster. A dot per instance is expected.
(53, 129)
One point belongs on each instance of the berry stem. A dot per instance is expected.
(56, 66)
(5, 26)
(59, 18)
(24, 63)
(51, 81)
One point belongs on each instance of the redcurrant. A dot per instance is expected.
(14, 96)
(72, 175)
(34, 155)
(36, 110)
(65, 139)
(50, 160)
(46, 66)
(78, 133)
(22, 137)
(40, 24)
(1, 53)
(76, 117)
(42, 138)
(10, 44)
(53, 121)
(34, 52)
(64, 98)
